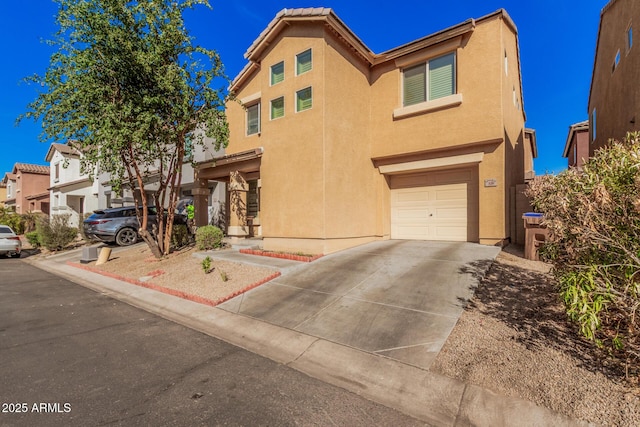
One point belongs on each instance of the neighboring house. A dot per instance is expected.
(332, 145)
(3, 192)
(214, 204)
(72, 192)
(576, 149)
(27, 188)
(614, 99)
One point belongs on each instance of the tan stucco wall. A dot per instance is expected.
(615, 93)
(320, 190)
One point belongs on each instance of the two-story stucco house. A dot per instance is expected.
(576, 148)
(72, 192)
(27, 188)
(333, 145)
(614, 98)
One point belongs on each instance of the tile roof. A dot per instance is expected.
(28, 168)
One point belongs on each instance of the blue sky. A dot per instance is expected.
(557, 45)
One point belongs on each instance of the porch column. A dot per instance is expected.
(200, 202)
(238, 189)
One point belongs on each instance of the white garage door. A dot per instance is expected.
(437, 212)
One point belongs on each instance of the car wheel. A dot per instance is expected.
(126, 237)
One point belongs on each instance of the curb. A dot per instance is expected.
(174, 292)
(291, 257)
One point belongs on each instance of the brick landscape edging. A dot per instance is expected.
(174, 292)
(291, 257)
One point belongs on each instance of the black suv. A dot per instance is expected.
(120, 225)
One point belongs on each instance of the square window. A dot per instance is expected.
(304, 99)
(303, 62)
(277, 73)
(430, 80)
(277, 108)
(253, 119)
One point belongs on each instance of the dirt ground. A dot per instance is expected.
(183, 272)
(513, 338)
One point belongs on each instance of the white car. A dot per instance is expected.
(10, 243)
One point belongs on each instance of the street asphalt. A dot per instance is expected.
(370, 319)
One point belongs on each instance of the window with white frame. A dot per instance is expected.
(304, 99)
(277, 108)
(303, 62)
(253, 119)
(429, 80)
(277, 73)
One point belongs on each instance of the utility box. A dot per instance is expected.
(535, 234)
(89, 254)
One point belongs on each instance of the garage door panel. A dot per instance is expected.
(408, 214)
(451, 213)
(412, 197)
(436, 212)
(458, 194)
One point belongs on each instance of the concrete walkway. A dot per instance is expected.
(395, 377)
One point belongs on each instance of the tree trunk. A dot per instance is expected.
(150, 241)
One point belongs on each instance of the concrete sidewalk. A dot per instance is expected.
(416, 391)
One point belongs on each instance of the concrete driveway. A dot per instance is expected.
(395, 298)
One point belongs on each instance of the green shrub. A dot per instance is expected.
(12, 219)
(54, 233)
(206, 265)
(179, 235)
(33, 238)
(208, 237)
(593, 217)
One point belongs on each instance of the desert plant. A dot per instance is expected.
(9, 217)
(223, 276)
(593, 217)
(33, 238)
(208, 237)
(54, 233)
(29, 221)
(180, 236)
(206, 265)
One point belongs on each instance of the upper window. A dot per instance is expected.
(304, 99)
(593, 125)
(506, 63)
(303, 62)
(430, 80)
(56, 169)
(253, 119)
(277, 108)
(629, 38)
(277, 73)
(616, 61)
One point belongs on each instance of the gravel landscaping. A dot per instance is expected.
(513, 337)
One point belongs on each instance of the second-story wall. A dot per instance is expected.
(614, 100)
